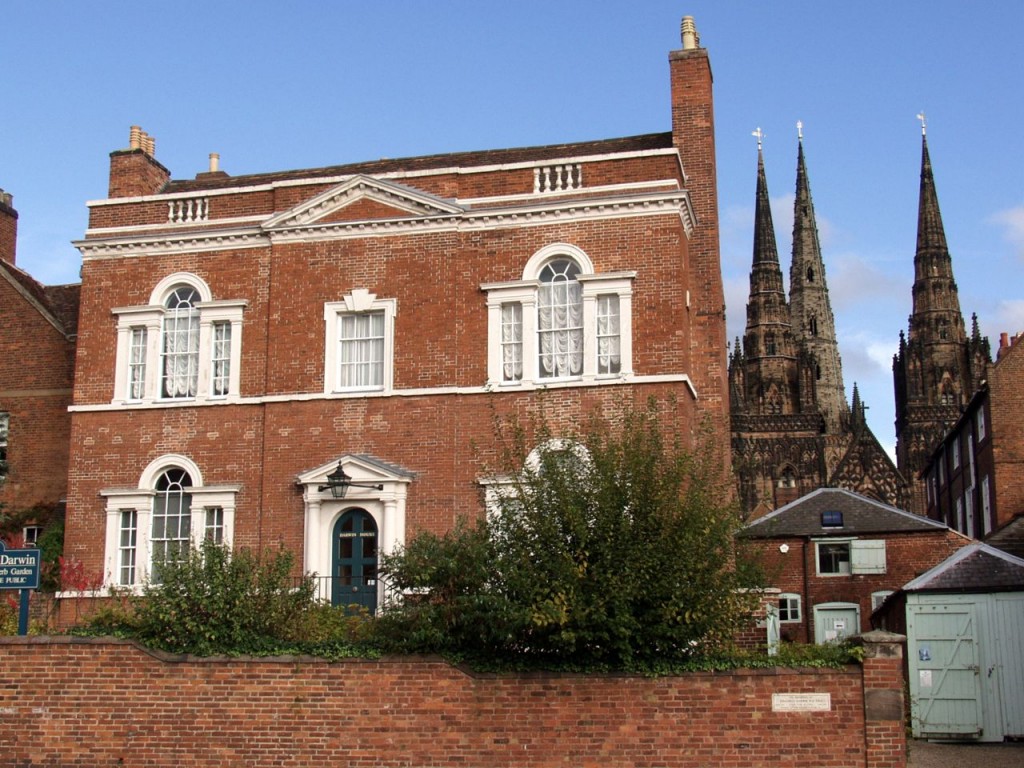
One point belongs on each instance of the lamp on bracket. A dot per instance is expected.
(338, 482)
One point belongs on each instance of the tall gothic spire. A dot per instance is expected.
(938, 367)
(810, 308)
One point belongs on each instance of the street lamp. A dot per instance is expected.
(338, 482)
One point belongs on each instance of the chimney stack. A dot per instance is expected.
(134, 172)
(8, 227)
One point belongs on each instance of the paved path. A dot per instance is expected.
(926, 754)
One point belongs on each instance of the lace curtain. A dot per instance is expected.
(560, 319)
(181, 344)
(512, 342)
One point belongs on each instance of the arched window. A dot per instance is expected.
(183, 345)
(170, 512)
(172, 519)
(560, 320)
(180, 347)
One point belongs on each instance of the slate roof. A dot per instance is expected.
(58, 302)
(431, 162)
(860, 515)
(977, 567)
(1009, 538)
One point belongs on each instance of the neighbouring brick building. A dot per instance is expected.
(242, 338)
(975, 477)
(37, 327)
(836, 555)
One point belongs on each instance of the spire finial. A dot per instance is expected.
(800, 130)
(924, 122)
(760, 137)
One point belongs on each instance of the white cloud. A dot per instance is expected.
(1012, 222)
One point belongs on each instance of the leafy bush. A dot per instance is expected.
(614, 550)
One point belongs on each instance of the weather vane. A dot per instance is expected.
(800, 129)
(760, 136)
(924, 123)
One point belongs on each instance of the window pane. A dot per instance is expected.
(172, 516)
(361, 351)
(181, 344)
(220, 358)
(560, 320)
(127, 549)
(512, 342)
(214, 525)
(137, 364)
(608, 358)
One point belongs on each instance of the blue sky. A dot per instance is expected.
(273, 86)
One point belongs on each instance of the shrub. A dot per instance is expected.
(218, 602)
(615, 549)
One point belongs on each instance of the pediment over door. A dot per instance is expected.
(364, 198)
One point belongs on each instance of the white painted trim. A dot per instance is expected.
(358, 301)
(542, 213)
(487, 389)
(164, 227)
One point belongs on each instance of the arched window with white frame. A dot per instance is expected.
(170, 513)
(184, 345)
(562, 322)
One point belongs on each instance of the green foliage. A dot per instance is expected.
(215, 601)
(614, 550)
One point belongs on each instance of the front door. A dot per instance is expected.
(354, 581)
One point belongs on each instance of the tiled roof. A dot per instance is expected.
(860, 515)
(59, 302)
(975, 568)
(1009, 538)
(432, 162)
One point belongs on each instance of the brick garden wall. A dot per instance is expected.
(72, 701)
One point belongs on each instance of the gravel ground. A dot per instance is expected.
(926, 754)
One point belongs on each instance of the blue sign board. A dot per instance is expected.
(19, 568)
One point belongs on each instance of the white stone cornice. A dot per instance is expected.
(538, 213)
(171, 243)
(586, 383)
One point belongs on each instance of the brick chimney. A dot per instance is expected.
(134, 172)
(693, 134)
(8, 227)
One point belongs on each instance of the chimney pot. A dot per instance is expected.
(688, 32)
(214, 162)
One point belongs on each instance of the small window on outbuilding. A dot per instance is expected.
(831, 519)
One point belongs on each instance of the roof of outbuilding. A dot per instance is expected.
(648, 141)
(977, 567)
(860, 515)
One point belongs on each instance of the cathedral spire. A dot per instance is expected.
(810, 307)
(938, 367)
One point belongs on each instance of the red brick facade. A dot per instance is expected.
(109, 703)
(439, 247)
(36, 373)
(795, 571)
(974, 480)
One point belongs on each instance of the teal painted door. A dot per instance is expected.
(354, 581)
(945, 689)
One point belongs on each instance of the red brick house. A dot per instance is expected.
(38, 325)
(836, 555)
(241, 339)
(974, 480)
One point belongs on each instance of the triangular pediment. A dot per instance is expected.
(364, 198)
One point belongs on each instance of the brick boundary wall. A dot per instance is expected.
(94, 702)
